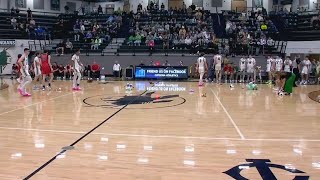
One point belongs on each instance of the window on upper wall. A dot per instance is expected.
(21, 3)
(38, 4)
(72, 6)
(55, 5)
(198, 3)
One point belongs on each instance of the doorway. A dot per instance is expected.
(175, 3)
(239, 5)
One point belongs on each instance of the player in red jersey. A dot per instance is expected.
(19, 79)
(46, 69)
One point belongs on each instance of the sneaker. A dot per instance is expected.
(20, 91)
(19, 80)
(26, 94)
(79, 88)
(74, 88)
(275, 89)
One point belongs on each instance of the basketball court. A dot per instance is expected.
(161, 131)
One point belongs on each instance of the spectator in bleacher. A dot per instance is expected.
(139, 8)
(88, 36)
(14, 22)
(29, 14)
(32, 22)
(66, 8)
(137, 39)
(193, 7)
(315, 22)
(40, 32)
(100, 10)
(13, 11)
(162, 7)
(116, 69)
(69, 46)
(95, 68)
(82, 28)
(95, 43)
(151, 46)
(61, 47)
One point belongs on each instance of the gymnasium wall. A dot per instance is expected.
(306, 47)
(13, 54)
(4, 4)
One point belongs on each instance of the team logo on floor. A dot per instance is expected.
(263, 166)
(149, 100)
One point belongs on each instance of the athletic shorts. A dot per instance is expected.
(24, 73)
(37, 72)
(250, 70)
(218, 68)
(201, 70)
(304, 70)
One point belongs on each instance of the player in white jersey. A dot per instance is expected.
(24, 69)
(37, 70)
(202, 66)
(217, 61)
(251, 63)
(306, 68)
(270, 68)
(77, 71)
(278, 68)
(279, 64)
(242, 68)
(287, 65)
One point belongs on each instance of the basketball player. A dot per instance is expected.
(19, 79)
(269, 69)
(278, 69)
(242, 66)
(279, 64)
(251, 63)
(37, 70)
(24, 69)
(217, 61)
(77, 71)
(46, 69)
(306, 68)
(287, 66)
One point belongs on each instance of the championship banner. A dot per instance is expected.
(7, 42)
(161, 72)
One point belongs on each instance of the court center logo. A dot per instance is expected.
(263, 166)
(149, 100)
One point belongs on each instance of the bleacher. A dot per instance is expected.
(68, 32)
(46, 21)
(298, 26)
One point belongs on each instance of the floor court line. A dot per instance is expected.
(229, 116)
(35, 103)
(164, 136)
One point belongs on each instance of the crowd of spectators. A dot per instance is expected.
(249, 32)
(183, 28)
(27, 26)
(89, 31)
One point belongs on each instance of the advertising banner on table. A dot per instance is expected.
(161, 72)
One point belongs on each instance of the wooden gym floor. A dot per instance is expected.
(159, 132)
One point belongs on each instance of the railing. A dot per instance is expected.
(22, 11)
